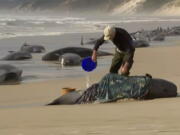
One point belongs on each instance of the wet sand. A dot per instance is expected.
(22, 110)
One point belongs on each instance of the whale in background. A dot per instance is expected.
(9, 73)
(19, 55)
(82, 52)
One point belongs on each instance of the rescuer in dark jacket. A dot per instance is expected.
(124, 53)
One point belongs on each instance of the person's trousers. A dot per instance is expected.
(119, 59)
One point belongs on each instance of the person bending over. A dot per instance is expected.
(124, 53)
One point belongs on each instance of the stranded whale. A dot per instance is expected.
(32, 48)
(70, 59)
(155, 88)
(9, 73)
(82, 52)
(17, 56)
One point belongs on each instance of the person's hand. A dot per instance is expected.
(94, 56)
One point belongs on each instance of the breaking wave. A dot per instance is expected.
(18, 26)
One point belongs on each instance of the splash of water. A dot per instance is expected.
(87, 80)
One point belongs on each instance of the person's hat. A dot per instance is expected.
(109, 32)
(66, 90)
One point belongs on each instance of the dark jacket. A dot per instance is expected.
(122, 41)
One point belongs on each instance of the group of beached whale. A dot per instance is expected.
(142, 38)
(70, 56)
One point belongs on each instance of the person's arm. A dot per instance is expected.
(94, 55)
(98, 43)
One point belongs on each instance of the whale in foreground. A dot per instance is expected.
(159, 88)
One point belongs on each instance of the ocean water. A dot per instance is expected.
(18, 26)
(56, 32)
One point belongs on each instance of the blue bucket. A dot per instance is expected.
(88, 64)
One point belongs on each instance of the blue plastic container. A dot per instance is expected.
(88, 64)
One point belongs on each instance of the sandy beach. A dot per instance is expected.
(23, 110)
(56, 24)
